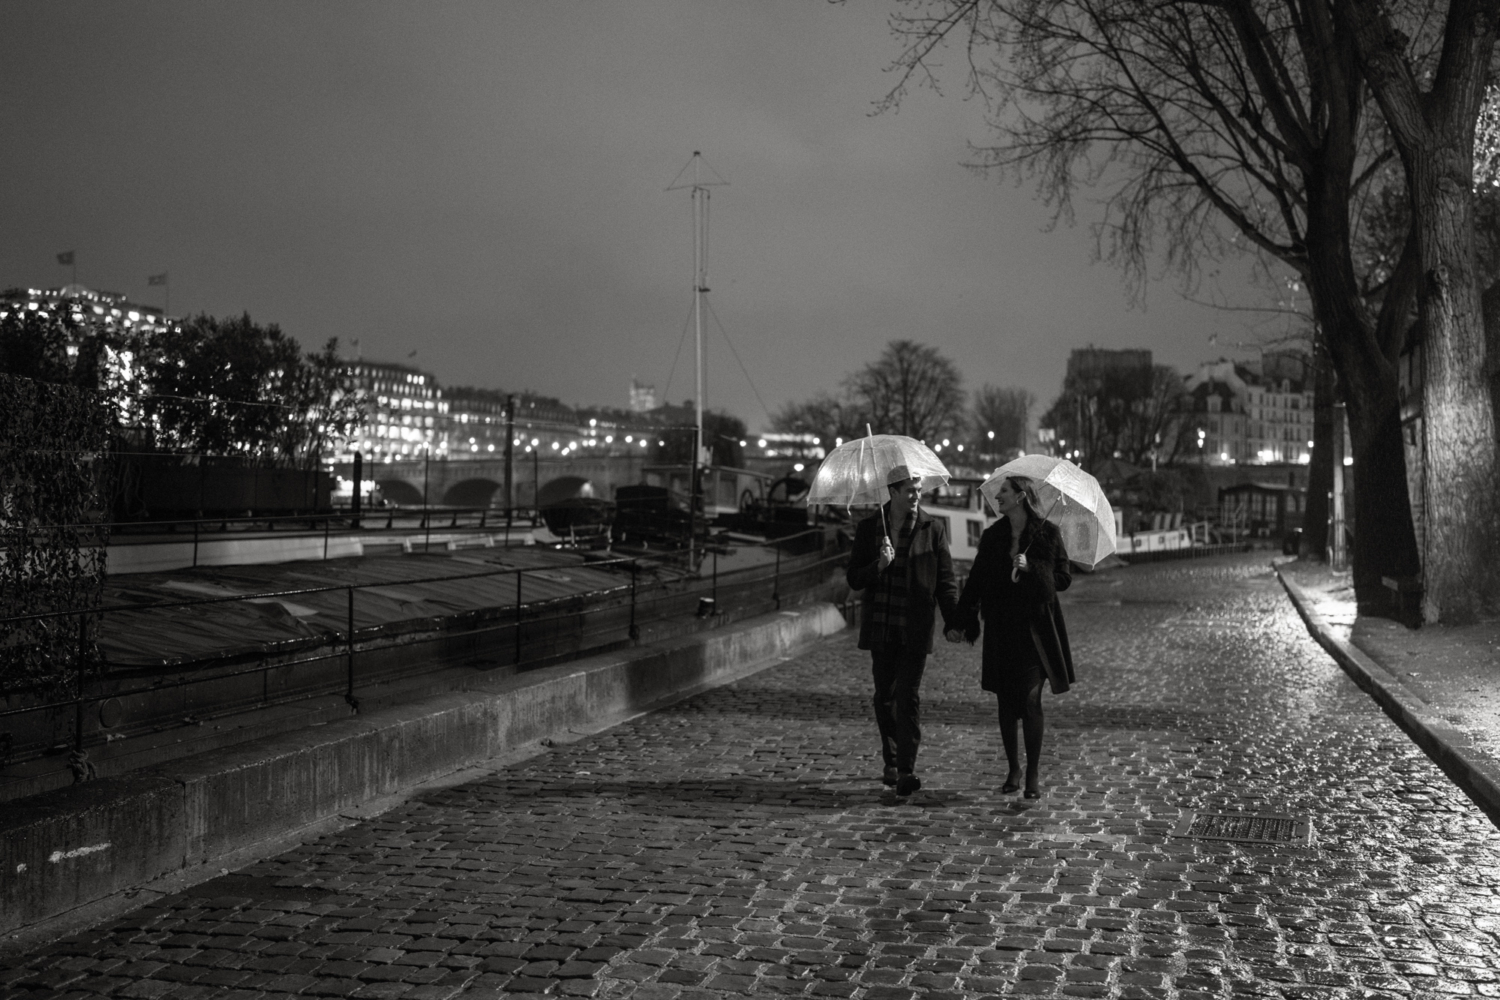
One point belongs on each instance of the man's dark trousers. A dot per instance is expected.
(898, 705)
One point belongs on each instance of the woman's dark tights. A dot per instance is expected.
(1025, 705)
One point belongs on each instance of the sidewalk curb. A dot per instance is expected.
(1475, 772)
(76, 856)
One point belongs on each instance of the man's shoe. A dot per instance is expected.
(907, 783)
(890, 776)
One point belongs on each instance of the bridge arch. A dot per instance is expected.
(477, 492)
(399, 491)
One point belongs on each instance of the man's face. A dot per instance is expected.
(904, 497)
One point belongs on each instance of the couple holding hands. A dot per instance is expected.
(901, 561)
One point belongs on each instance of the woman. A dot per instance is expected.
(1019, 568)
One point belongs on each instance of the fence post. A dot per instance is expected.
(326, 522)
(79, 664)
(776, 580)
(635, 633)
(714, 594)
(519, 573)
(349, 694)
(195, 544)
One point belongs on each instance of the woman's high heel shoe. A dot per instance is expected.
(1012, 784)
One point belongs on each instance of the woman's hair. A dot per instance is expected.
(1024, 486)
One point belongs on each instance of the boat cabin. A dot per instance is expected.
(725, 490)
(967, 512)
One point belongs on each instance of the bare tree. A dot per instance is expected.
(1151, 428)
(1210, 128)
(1000, 420)
(825, 417)
(910, 389)
(1130, 414)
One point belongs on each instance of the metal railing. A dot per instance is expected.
(324, 524)
(644, 603)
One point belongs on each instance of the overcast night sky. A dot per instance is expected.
(483, 183)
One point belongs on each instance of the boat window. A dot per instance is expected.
(952, 495)
(976, 528)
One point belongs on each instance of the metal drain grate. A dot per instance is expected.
(1246, 828)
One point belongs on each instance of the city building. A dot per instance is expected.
(1280, 409)
(1213, 414)
(405, 412)
(1095, 362)
(94, 311)
(1257, 413)
(642, 397)
(793, 445)
(476, 424)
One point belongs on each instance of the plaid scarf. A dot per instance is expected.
(888, 613)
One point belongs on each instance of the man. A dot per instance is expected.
(901, 562)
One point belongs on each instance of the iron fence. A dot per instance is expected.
(632, 603)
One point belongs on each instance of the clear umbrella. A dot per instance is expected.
(1070, 498)
(855, 471)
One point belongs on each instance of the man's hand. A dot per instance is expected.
(887, 553)
(954, 635)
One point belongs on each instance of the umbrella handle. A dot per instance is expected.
(881, 507)
(1015, 573)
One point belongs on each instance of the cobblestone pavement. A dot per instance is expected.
(741, 844)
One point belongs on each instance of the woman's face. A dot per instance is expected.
(1006, 497)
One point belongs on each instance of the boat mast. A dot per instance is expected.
(699, 188)
(700, 286)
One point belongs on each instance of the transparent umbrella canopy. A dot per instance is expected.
(855, 471)
(1070, 498)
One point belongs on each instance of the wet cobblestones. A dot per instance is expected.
(741, 844)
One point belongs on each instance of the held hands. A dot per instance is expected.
(954, 635)
(887, 553)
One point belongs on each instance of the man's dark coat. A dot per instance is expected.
(929, 578)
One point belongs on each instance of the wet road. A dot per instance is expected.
(740, 844)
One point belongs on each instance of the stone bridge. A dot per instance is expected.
(481, 482)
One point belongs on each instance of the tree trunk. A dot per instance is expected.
(1463, 511)
(1385, 541)
(1490, 303)
(1432, 117)
(1320, 468)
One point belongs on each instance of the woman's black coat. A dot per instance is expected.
(1032, 599)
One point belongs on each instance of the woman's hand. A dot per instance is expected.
(954, 635)
(1021, 564)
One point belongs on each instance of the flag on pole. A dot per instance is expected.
(156, 279)
(65, 258)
